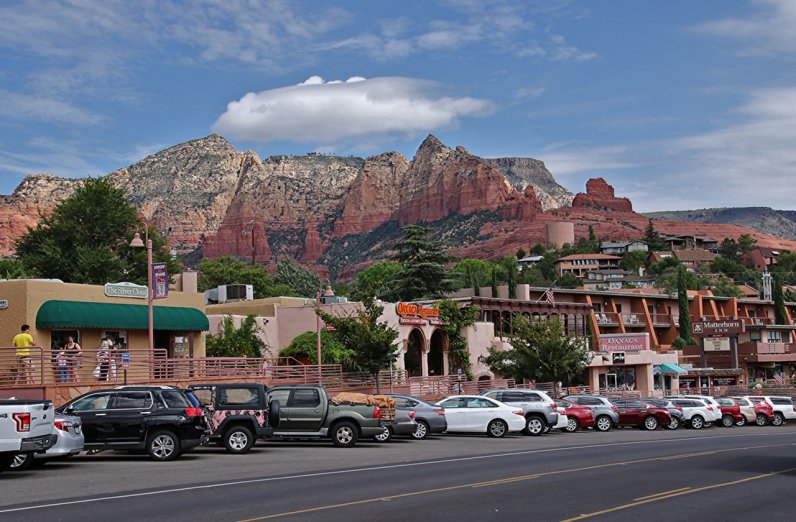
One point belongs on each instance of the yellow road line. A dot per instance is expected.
(662, 493)
(688, 491)
(509, 480)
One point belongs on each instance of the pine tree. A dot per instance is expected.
(424, 263)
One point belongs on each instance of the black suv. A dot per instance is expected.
(157, 419)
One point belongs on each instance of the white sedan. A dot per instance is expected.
(477, 414)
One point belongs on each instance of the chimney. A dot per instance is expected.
(190, 282)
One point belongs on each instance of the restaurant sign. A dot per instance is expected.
(416, 313)
(126, 290)
(624, 342)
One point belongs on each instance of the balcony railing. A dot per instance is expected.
(607, 318)
(662, 320)
(634, 320)
(766, 348)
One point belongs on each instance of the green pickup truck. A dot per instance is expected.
(304, 411)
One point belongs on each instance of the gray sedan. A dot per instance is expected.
(430, 419)
(70, 442)
(404, 425)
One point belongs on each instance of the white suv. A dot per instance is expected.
(695, 412)
(782, 406)
(714, 410)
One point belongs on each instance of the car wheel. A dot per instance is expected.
(535, 425)
(163, 445)
(497, 428)
(21, 462)
(727, 421)
(778, 419)
(761, 419)
(674, 424)
(421, 431)
(345, 434)
(384, 436)
(6, 461)
(651, 423)
(697, 422)
(741, 422)
(238, 439)
(573, 425)
(603, 423)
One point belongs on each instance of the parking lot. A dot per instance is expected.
(739, 472)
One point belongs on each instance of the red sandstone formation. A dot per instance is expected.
(600, 195)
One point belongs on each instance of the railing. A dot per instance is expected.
(633, 320)
(662, 320)
(22, 371)
(441, 385)
(607, 318)
(752, 321)
(766, 348)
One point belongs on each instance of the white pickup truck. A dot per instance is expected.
(25, 427)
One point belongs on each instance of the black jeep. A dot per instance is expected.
(237, 413)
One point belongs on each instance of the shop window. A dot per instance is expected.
(119, 339)
(59, 338)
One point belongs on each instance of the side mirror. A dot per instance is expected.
(69, 410)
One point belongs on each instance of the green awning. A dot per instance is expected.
(80, 314)
(671, 368)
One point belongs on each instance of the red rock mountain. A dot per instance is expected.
(338, 213)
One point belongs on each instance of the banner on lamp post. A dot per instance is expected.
(160, 281)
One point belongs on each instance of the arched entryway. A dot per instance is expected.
(436, 353)
(413, 358)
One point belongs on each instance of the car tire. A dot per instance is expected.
(238, 439)
(535, 425)
(727, 421)
(344, 434)
(603, 423)
(697, 422)
(573, 425)
(5, 461)
(674, 424)
(761, 419)
(21, 462)
(421, 431)
(273, 414)
(497, 428)
(742, 422)
(384, 436)
(650, 423)
(163, 445)
(778, 419)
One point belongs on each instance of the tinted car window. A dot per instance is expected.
(781, 401)
(743, 402)
(176, 399)
(132, 400)
(725, 402)
(95, 401)
(494, 395)
(532, 397)
(514, 397)
(305, 399)
(279, 395)
(591, 402)
(238, 397)
(450, 403)
(479, 403)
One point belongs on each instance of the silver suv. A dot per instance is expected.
(540, 410)
(606, 415)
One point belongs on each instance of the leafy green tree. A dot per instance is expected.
(533, 276)
(632, 261)
(685, 314)
(230, 271)
(494, 281)
(424, 263)
(666, 263)
(746, 243)
(540, 351)
(12, 268)
(377, 281)
(521, 253)
(724, 287)
(454, 318)
(569, 280)
(653, 239)
(471, 273)
(237, 342)
(372, 342)
(786, 267)
(302, 282)
(728, 249)
(538, 250)
(87, 239)
(509, 266)
(333, 351)
(778, 296)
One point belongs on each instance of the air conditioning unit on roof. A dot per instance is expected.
(228, 293)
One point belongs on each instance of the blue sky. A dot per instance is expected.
(678, 104)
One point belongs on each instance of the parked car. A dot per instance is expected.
(674, 410)
(713, 408)
(636, 413)
(69, 442)
(539, 410)
(730, 411)
(782, 406)
(695, 412)
(429, 418)
(404, 424)
(764, 412)
(478, 414)
(26, 427)
(747, 410)
(306, 411)
(578, 417)
(157, 419)
(237, 413)
(606, 415)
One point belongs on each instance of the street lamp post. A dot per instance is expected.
(137, 243)
(328, 293)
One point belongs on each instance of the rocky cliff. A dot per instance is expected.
(600, 195)
(524, 172)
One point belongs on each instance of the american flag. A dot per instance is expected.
(549, 297)
(779, 378)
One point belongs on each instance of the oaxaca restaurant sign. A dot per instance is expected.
(624, 342)
(416, 313)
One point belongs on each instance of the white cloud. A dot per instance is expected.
(768, 31)
(19, 106)
(327, 112)
(563, 160)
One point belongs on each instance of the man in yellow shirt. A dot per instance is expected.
(23, 341)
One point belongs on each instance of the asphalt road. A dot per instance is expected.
(723, 474)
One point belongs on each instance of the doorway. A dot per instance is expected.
(413, 358)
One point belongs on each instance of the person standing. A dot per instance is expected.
(73, 356)
(62, 363)
(104, 359)
(22, 342)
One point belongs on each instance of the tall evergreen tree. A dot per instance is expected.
(424, 274)
(494, 282)
(682, 301)
(653, 238)
(779, 300)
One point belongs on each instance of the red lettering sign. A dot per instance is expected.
(416, 310)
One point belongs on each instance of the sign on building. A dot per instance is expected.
(416, 313)
(723, 327)
(131, 290)
(717, 344)
(618, 358)
(624, 342)
(160, 281)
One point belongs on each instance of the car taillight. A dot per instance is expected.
(553, 405)
(193, 412)
(614, 408)
(376, 412)
(412, 415)
(63, 425)
(22, 420)
(518, 412)
(710, 408)
(440, 411)
(679, 408)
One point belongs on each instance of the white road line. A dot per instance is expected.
(372, 468)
